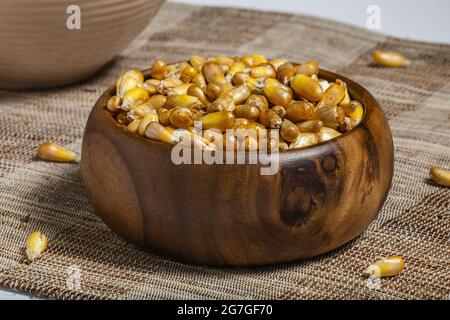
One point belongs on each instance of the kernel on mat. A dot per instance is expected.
(52, 152)
(36, 244)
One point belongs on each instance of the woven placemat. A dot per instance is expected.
(86, 260)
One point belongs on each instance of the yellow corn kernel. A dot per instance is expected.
(183, 100)
(307, 88)
(133, 126)
(300, 111)
(304, 140)
(223, 60)
(158, 70)
(213, 73)
(221, 120)
(258, 101)
(254, 60)
(149, 117)
(331, 116)
(264, 70)
(191, 139)
(114, 103)
(235, 68)
(286, 72)
(140, 111)
(36, 244)
(347, 98)
(276, 63)
(188, 74)
(181, 89)
(52, 152)
(223, 103)
(277, 95)
(196, 91)
(308, 68)
(181, 117)
(247, 111)
(240, 93)
(309, 126)
(388, 58)
(440, 176)
(326, 134)
(158, 132)
(125, 84)
(332, 96)
(157, 101)
(136, 74)
(386, 267)
(289, 131)
(197, 62)
(134, 97)
(199, 80)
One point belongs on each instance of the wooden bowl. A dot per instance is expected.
(322, 197)
(38, 50)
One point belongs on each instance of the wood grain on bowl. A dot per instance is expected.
(322, 197)
(38, 50)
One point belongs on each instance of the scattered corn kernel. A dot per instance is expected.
(388, 58)
(36, 244)
(52, 152)
(440, 176)
(386, 267)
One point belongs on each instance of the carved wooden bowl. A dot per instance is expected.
(322, 196)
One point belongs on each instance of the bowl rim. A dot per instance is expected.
(324, 74)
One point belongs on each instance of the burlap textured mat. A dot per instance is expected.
(86, 260)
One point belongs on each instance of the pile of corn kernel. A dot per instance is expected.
(246, 94)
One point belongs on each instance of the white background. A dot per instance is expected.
(414, 19)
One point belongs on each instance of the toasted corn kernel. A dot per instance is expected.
(223, 60)
(307, 88)
(150, 117)
(240, 123)
(326, 133)
(181, 89)
(125, 84)
(133, 126)
(308, 68)
(281, 111)
(213, 73)
(52, 152)
(221, 120)
(164, 116)
(388, 58)
(332, 96)
(158, 70)
(347, 98)
(213, 91)
(289, 131)
(181, 101)
(235, 68)
(300, 111)
(264, 70)
(258, 128)
(196, 91)
(197, 62)
(246, 111)
(134, 97)
(258, 101)
(270, 119)
(158, 132)
(199, 80)
(309, 126)
(440, 176)
(286, 72)
(386, 267)
(157, 101)
(181, 117)
(240, 94)
(304, 140)
(354, 110)
(331, 116)
(36, 244)
(122, 118)
(254, 60)
(188, 74)
(276, 63)
(226, 102)
(114, 103)
(214, 107)
(277, 95)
